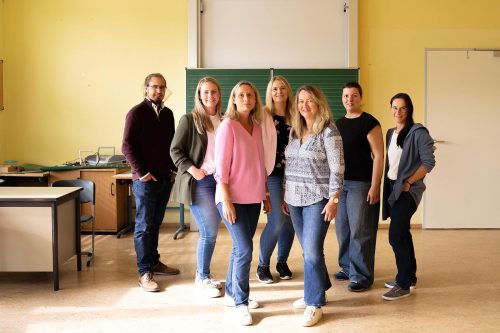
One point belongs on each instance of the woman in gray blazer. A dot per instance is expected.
(410, 156)
(192, 151)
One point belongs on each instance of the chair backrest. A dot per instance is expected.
(88, 192)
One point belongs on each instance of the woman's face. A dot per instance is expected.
(351, 99)
(210, 97)
(307, 106)
(244, 98)
(279, 92)
(399, 111)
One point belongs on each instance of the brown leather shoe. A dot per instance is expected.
(162, 269)
(148, 283)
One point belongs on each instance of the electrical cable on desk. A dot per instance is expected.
(75, 162)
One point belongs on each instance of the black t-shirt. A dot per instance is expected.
(357, 153)
(282, 133)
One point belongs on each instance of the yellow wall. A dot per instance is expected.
(74, 68)
(2, 117)
(393, 36)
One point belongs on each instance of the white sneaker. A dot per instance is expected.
(301, 304)
(208, 288)
(215, 283)
(229, 301)
(311, 316)
(244, 315)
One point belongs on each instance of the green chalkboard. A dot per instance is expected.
(227, 79)
(329, 80)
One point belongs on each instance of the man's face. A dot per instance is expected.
(155, 90)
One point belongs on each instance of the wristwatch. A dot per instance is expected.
(335, 200)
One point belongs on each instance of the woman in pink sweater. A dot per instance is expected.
(241, 187)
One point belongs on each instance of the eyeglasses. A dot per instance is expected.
(402, 109)
(161, 88)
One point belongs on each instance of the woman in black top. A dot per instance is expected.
(279, 228)
(357, 217)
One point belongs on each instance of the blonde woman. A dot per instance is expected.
(241, 188)
(276, 130)
(192, 151)
(314, 176)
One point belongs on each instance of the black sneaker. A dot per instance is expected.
(283, 270)
(396, 293)
(356, 287)
(264, 275)
(341, 276)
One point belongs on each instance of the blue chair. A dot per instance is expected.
(87, 195)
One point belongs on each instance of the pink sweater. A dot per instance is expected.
(239, 162)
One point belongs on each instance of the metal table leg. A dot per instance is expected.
(182, 226)
(128, 227)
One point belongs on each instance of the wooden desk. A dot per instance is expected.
(25, 178)
(39, 229)
(111, 197)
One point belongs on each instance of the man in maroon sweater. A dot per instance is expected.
(149, 129)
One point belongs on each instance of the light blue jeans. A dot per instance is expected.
(279, 227)
(311, 229)
(356, 226)
(242, 232)
(150, 201)
(207, 217)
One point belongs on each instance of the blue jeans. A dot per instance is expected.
(242, 232)
(151, 200)
(356, 226)
(311, 229)
(279, 227)
(207, 217)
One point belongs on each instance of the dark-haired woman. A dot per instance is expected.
(410, 156)
(356, 223)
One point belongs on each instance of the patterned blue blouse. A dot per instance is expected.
(314, 170)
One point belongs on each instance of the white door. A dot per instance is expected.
(463, 111)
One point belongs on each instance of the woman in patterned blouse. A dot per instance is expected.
(314, 175)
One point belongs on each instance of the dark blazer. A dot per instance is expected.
(188, 148)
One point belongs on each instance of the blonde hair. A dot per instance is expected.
(323, 117)
(289, 110)
(255, 114)
(201, 119)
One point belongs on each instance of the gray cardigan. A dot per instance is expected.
(188, 148)
(417, 150)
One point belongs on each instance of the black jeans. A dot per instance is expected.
(401, 240)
